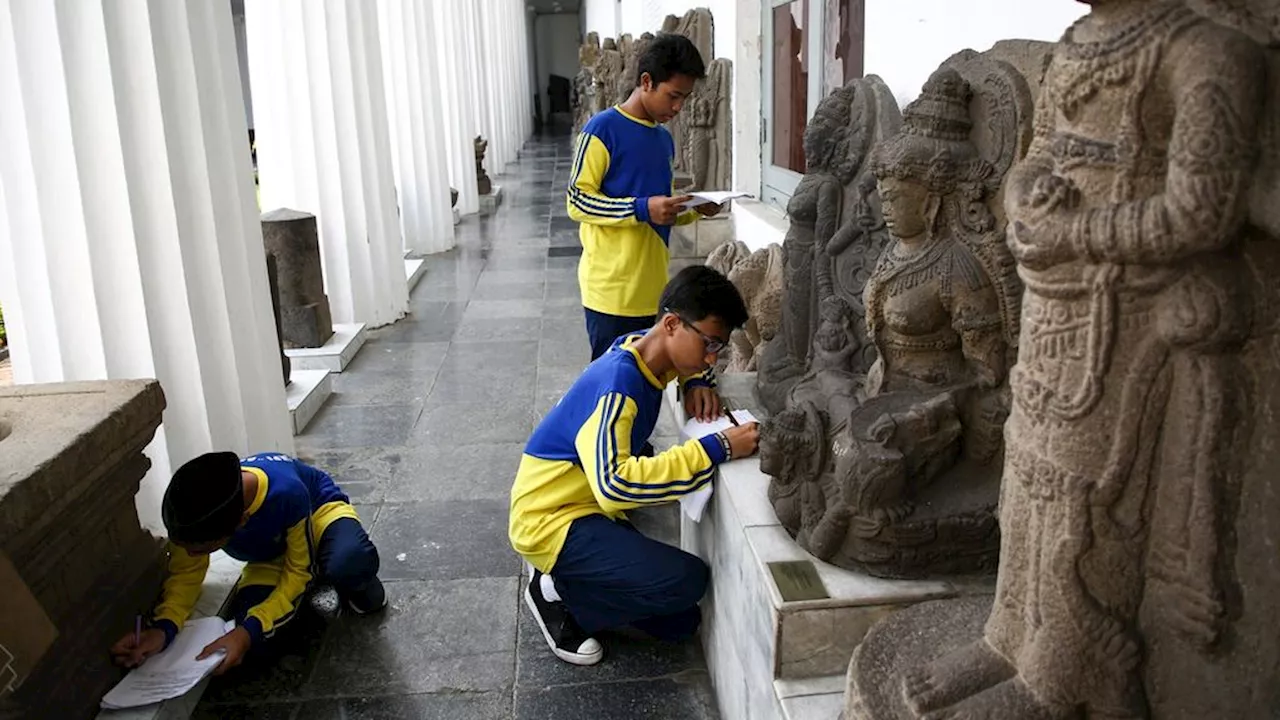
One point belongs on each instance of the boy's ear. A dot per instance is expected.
(646, 81)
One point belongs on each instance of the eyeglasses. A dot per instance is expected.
(710, 344)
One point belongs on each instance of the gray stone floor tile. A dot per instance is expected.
(507, 277)
(446, 705)
(261, 711)
(571, 351)
(686, 698)
(445, 540)
(490, 355)
(360, 426)
(465, 472)
(486, 389)
(501, 329)
(554, 381)
(558, 289)
(455, 635)
(514, 291)
(625, 658)
(529, 308)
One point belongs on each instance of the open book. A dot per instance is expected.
(716, 197)
(695, 502)
(173, 672)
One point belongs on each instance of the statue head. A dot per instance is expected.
(931, 159)
(834, 331)
(610, 44)
(791, 443)
(827, 136)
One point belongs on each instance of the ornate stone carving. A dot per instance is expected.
(631, 65)
(483, 184)
(758, 277)
(584, 87)
(1127, 586)
(708, 143)
(292, 239)
(915, 438)
(826, 244)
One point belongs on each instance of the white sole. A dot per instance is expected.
(569, 657)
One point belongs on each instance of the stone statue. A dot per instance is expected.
(631, 65)
(758, 278)
(584, 98)
(1126, 547)
(837, 143)
(607, 77)
(273, 283)
(484, 185)
(291, 237)
(708, 143)
(922, 426)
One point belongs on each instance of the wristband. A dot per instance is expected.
(724, 443)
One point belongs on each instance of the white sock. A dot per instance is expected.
(548, 587)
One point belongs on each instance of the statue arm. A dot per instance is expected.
(1211, 154)
(829, 196)
(975, 316)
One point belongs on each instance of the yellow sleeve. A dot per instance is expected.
(586, 202)
(620, 481)
(294, 577)
(181, 590)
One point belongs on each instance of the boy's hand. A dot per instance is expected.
(131, 651)
(703, 403)
(708, 209)
(743, 439)
(236, 643)
(663, 210)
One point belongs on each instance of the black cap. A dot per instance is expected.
(205, 499)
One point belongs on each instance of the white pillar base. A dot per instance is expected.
(335, 355)
(307, 393)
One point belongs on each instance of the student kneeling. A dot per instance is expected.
(270, 511)
(592, 569)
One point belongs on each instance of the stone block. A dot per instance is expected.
(73, 461)
(292, 238)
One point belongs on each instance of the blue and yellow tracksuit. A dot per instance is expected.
(579, 460)
(294, 505)
(619, 163)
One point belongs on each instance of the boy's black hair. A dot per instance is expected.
(670, 54)
(205, 499)
(699, 292)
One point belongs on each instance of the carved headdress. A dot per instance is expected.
(933, 148)
(827, 135)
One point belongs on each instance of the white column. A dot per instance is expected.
(458, 90)
(320, 117)
(422, 179)
(129, 241)
(483, 23)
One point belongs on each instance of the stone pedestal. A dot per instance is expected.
(72, 465)
(490, 201)
(773, 654)
(291, 238)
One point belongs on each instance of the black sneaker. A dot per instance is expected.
(563, 635)
(370, 600)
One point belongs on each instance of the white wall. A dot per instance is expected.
(601, 16)
(557, 46)
(611, 18)
(906, 41)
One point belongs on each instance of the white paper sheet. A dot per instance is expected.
(174, 671)
(695, 502)
(716, 197)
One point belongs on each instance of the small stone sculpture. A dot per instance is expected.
(1128, 583)
(291, 237)
(923, 425)
(758, 277)
(821, 255)
(484, 185)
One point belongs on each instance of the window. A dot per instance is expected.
(812, 48)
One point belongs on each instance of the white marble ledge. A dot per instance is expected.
(758, 224)
(337, 352)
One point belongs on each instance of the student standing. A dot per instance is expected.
(620, 191)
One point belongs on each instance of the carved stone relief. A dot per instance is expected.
(1137, 572)
(702, 132)
(758, 277)
(912, 439)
